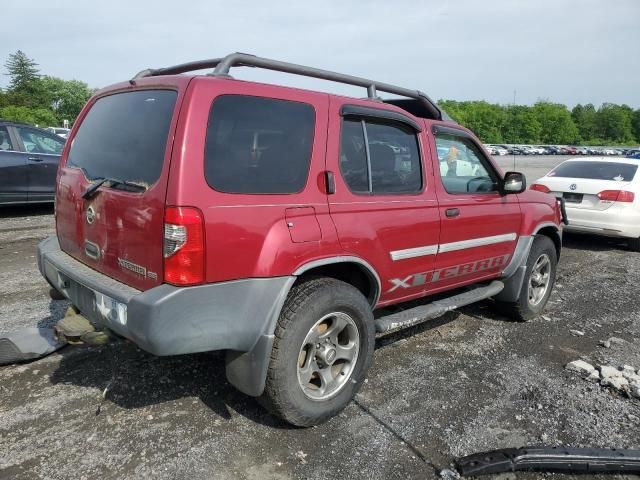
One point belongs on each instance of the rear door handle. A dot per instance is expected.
(34, 159)
(452, 212)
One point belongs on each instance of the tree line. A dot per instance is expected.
(548, 123)
(46, 101)
(39, 99)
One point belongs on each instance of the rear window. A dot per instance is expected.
(619, 172)
(258, 145)
(124, 136)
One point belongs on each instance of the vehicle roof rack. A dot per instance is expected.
(221, 66)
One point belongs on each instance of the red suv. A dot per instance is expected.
(199, 212)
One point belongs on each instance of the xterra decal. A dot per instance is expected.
(433, 276)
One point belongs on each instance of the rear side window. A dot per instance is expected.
(258, 145)
(124, 136)
(380, 157)
(619, 172)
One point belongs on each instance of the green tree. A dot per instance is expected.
(522, 125)
(556, 123)
(22, 70)
(615, 123)
(586, 119)
(635, 124)
(42, 117)
(64, 97)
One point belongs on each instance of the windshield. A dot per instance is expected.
(124, 136)
(618, 172)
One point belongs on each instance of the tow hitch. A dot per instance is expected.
(551, 459)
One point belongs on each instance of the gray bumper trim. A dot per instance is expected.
(168, 320)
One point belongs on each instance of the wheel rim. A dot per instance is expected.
(328, 356)
(540, 279)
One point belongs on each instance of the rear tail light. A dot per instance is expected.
(183, 246)
(616, 196)
(540, 188)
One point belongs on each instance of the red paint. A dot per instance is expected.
(273, 235)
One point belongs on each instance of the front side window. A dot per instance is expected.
(5, 140)
(258, 145)
(463, 168)
(380, 157)
(39, 142)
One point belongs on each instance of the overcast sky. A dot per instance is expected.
(567, 51)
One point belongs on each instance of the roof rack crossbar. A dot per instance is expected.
(222, 66)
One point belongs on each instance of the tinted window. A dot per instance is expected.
(394, 164)
(353, 157)
(5, 140)
(258, 145)
(124, 136)
(463, 168)
(35, 141)
(620, 172)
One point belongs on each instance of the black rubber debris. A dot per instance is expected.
(551, 459)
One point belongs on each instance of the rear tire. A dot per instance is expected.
(323, 347)
(634, 244)
(538, 282)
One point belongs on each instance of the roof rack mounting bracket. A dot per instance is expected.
(221, 67)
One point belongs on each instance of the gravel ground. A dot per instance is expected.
(467, 382)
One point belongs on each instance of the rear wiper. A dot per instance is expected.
(91, 191)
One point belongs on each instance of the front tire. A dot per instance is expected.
(538, 282)
(323, 347)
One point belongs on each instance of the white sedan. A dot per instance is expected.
(602, 196)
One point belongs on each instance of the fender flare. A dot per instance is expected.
(514, 273)
(247, 371)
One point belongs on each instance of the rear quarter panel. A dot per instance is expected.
(247, 234)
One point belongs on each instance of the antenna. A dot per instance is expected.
(512, 152)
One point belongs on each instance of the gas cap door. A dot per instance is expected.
(302, 224)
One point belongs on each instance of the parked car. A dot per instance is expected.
(29, 158)
(270, 222)
(62, 132)
(635, 154)
(602, 196)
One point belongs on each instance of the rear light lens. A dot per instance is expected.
(540, 188)
(616, 196)
(183, 246)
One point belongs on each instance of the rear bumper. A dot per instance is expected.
(613, 222)
(169, 320)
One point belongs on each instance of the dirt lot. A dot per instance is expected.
(467, 382)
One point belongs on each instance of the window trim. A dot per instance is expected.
(36, 131)
(371, 193)
(12, 140)
(350, 110)
(311, 150)
(455, 132)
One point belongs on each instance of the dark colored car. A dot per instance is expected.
(29, 158)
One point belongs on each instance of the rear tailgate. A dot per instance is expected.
(126, 134)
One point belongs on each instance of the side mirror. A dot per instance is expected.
(514, 182)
